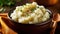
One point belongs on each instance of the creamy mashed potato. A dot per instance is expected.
(30, 13)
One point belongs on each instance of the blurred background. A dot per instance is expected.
(6, 5)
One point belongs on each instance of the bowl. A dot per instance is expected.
(40, 28)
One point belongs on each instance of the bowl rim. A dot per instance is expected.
(42, 23)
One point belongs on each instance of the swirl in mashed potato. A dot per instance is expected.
(30, 13)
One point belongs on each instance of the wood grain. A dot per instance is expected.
(3, 14)
(5, 29)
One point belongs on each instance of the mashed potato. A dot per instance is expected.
(30, 13)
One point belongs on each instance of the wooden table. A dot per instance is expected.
(4, 29)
